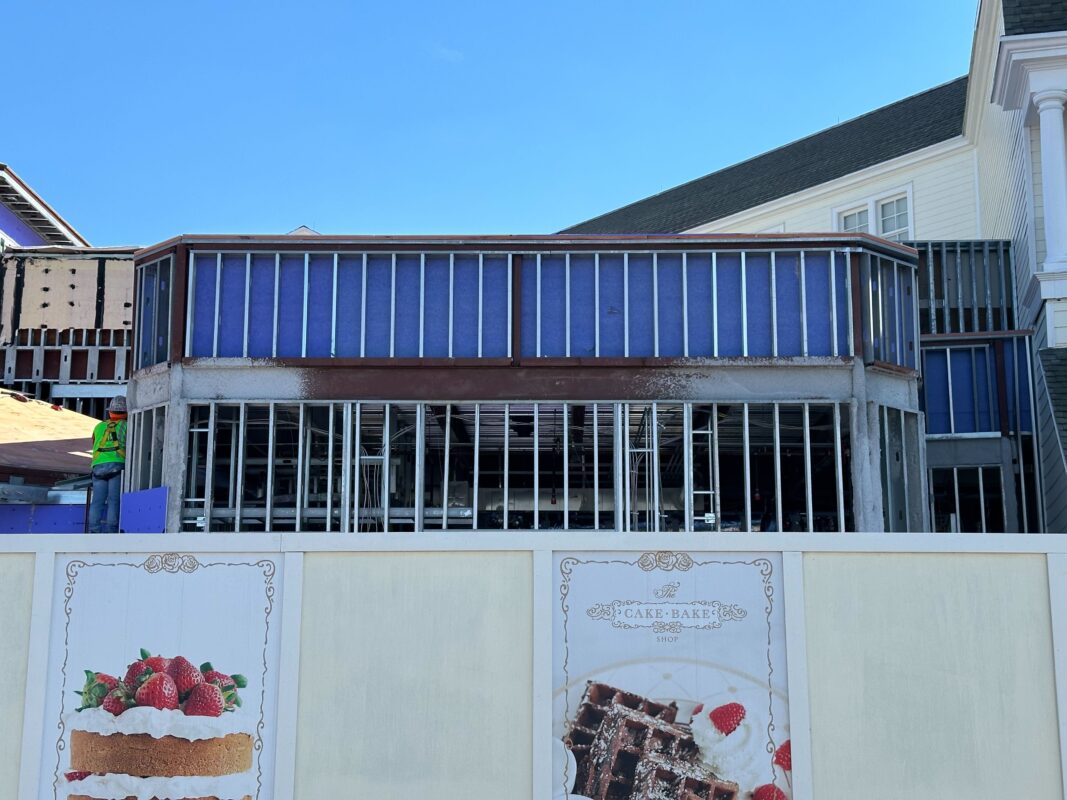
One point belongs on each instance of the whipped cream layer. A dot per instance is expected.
(225, 787)
(739, 757)
(158, 723)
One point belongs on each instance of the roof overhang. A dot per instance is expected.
(1027, 64)
(35, 212)
(532, 243)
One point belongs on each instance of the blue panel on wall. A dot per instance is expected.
(291, 306)
(203, 304)
(701, 313)
(436, 324)
(640, 318)
(583, 306)
(379, 304)
(840, 268)
(983, 372)
(232, 305)
(935, 390)
(465, 307)
(408, 279)
(51, 518)
(261, 306)
(891, 313)
(553, 306)
(728, 283)
(349, 304)
(495, 303)
(817, 288)
(758, 303)
(963, 392)
(612, 316)
(320, 305)
(144, 511)
(787, 293)
(669, 295)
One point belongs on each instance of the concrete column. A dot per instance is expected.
(1050, 105)
(866, 457)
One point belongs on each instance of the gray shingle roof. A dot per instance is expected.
(1034, 16)
(894, 130)
(1054, 365)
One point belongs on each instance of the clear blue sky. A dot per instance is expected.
(140, 121)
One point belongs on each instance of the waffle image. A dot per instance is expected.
(631, 748)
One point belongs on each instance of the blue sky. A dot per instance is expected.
(140, 121)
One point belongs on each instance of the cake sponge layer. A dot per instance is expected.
(169, 756)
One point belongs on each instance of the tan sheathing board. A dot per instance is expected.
(931, 675)
(415, 675)
(35, 435)
(60, 292)
(16, 595)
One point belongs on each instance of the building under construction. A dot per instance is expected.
(630, 383)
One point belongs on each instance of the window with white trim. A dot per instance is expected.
(887, 214)
(854, 221)
(893, 219)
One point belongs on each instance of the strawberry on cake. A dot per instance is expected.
(726, 740)
(167, 731)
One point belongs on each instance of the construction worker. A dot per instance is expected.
(109, 459)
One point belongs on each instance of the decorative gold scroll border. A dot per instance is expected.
(172, 563)
(667, 561)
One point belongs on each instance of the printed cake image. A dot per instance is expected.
(167, 730)
(629, 747)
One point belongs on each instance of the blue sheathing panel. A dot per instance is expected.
(436, 322)
(612, 317)
(669, 294)
(758, 303)
(261, 307)
(1024, 387)
(349, 304)
(935, 391)
(728, 307)
(528, 301)
(983, 372)
(465, 307)
(13, 225)
(144, 511)
(232, 306)
(320, 305)
(907, 298)
(379, 304)
(701, 312)
(408, 281)
(553, 306)
(20, 518)
(963, 392)
(583, 306)
(148, 311)
(203, 304)
(817, 295)
(291, 306)
(893, 314)
(841, 268)
(641, 308)
(787, 294)
(495, 303)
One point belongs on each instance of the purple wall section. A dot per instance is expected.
(13, 226)
(144, 511)
(21, 518)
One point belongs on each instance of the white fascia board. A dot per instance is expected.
(16, 183)
(949, 147)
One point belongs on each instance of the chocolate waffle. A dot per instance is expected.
(630, 748)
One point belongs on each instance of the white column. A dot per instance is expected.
(1050, 104)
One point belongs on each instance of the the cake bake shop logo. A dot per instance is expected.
(665, 615)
